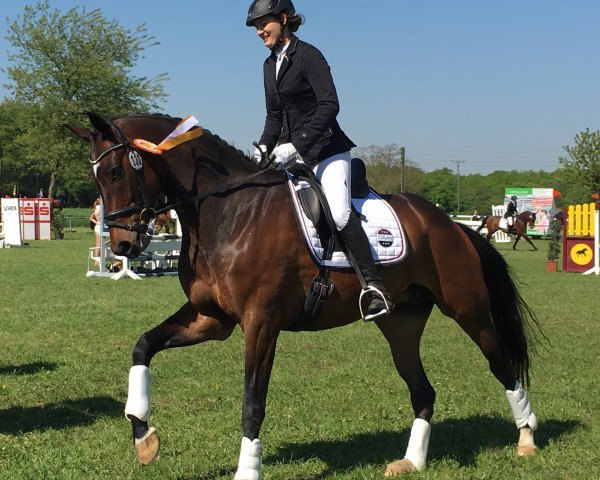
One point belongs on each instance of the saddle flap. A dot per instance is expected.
(378, 219)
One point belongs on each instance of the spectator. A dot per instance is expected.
(476, 216)
(96, 222)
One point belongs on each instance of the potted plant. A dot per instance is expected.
(554, 247)
(58, 223)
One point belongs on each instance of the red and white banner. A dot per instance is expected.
(35, 218)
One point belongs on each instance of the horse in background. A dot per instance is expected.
(524, 219)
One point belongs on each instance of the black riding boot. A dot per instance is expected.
(359, 248)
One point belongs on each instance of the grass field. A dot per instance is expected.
(336, 409)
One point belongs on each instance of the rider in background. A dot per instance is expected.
(301, 126)
(511, 213)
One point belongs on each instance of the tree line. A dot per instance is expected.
(480, 192)
(63, 64)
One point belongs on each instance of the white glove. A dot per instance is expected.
(259, 152)
(285, 152)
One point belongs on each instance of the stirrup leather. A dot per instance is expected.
(376, 291)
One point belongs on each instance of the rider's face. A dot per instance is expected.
(268, 29)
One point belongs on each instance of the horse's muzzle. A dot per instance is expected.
(132, 249)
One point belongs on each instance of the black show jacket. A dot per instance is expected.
(302, 104)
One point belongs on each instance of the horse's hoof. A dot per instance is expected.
(147, 447)
(399, 467)
(526, 450)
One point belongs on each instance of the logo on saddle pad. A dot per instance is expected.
(385, 238)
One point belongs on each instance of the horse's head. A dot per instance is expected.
(530, 219)
(128, 184)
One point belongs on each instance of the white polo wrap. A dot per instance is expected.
(250, 460)
(138, 396)
(521, 408)
(418, 444)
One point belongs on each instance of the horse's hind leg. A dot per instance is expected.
(186, 327)
(403, 329)
(478, 326)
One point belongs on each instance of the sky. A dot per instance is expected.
(473, 84)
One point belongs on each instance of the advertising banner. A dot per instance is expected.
(11, 221)
(537, 200)
(27, 218)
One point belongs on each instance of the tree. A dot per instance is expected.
(439, 187)
(384, 169)
(64, 65)
(582, 166)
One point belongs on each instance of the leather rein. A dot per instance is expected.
(148, 213)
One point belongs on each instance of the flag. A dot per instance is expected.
(555, 193)
(596, 195)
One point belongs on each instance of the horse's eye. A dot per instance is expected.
(116, 173)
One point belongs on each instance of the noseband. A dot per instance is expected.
(147, 213)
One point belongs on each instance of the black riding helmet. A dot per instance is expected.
(514, 197)
(260, 8)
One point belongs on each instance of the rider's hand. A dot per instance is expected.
(285, 152)
(259, 152)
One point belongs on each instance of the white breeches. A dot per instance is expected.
(335, 178)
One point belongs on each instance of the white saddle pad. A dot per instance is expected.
(383, 229)
(503, 223)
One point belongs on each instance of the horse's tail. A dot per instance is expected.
(510, 314)
(483, 222)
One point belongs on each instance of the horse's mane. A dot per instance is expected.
(224, 145)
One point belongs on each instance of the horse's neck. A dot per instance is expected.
(206, 166)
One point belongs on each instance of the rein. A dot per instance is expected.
(201, 196)
(147, 213)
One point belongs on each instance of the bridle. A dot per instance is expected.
(146, 212)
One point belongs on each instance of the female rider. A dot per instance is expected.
(301, 125)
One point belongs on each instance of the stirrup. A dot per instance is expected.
(380, 313)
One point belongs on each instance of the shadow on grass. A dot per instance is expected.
(28, 368)
(458, 439)
(56, 416)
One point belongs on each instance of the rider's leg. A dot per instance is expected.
(334, 175)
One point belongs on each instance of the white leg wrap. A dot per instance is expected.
(521, 408)
(418, 444)
(250, 460)
(138, 397)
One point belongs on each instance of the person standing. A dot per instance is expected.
(96, 221)
(301, 126)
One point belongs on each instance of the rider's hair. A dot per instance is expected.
(294, 22)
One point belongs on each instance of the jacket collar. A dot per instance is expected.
(287, 60)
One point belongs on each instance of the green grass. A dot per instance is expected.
(336, 409)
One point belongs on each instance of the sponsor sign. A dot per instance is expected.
(537, 200)
(11, 220)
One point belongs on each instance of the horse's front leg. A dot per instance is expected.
(259, 352)
(530, 242)
(186, 327)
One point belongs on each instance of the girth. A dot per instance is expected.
(317, 208)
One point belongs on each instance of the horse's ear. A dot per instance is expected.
(83, 133)
(100, 124)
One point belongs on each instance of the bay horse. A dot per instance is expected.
(524, 219)
(236, 217)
